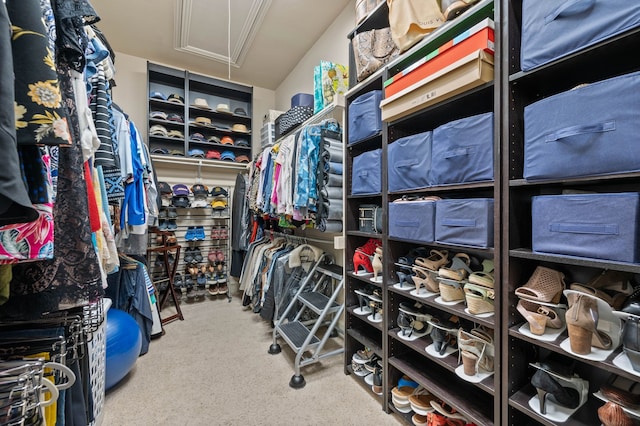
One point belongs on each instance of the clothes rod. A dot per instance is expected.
(300, 238)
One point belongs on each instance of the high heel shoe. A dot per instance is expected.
(582, 323)
(611, 414)
(425, 279)
(376, 263)
(545, 285)
(538, 316)
(549, 388)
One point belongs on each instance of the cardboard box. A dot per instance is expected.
(479, 37)
(271, 115)
(465, 74)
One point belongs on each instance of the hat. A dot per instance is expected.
(176, 99)
(160, 151)
(205, 121)
(217, 191)
(199, 202)
(175, 134)
(226, 140)
(223, 108)
(180, 189)
(240, 128)
(219, 204)
(196, 153)
(164, 188)
(222, 126)
(242, 159)
(158, 130)
(158, 95)
(176, 152)
(199, 137)
(240, 111)
(242, 142)
(175, 117)
(227, 155)
(200, 103)
(213, 154)
(180, 201)
(199, 189)
(214, 139)
(158, 114)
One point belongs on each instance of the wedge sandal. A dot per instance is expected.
(459, 268)
(545, 285)
(436, 259)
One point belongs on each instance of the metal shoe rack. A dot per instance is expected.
(201, 231)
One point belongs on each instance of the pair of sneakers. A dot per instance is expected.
(167, 224)
(192, 255)
(219, 233)
(195, 233)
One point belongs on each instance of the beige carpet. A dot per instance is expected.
(213, 369)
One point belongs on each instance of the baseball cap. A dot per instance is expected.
(217, 191)
(176, 99)
(199, 202)
(240, 111)
(176, 152)
(164, 188)
(222, 108)
(158, 95)
(242, 142)
(199, 189)
(180, 189)
(213, 154)
(214, 139)
(175, 134)
(242, 159)
(158, 130)
(158, 114)
(228, 155)
(240, 128)
(180, 201)
(222, 126)
(226, 140)
(160, 151)
(219, 204)
(196, 153)
(205, 121)
(197, 137)
(175, 117)
(200, 103)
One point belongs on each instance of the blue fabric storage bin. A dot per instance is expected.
(364, 116)
(552, 29)
(590, 130)
(601, 226)
(466, 222)
(409, 162)
(462, 150)
(413, 220)
(366, 176)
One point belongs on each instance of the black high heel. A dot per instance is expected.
(549, 388)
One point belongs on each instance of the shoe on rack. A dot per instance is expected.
(363, 356)
(162, 224)
(199, 233)
(171, 225)
(215, 233)
(172, 212)
(188, 255)
(549, 388)
(190, 234)
(612, 414)
(197, 256)
(222, 283)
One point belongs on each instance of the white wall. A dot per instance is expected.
(332, 46)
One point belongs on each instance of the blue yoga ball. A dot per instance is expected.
(124, 340)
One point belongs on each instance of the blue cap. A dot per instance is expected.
(228, 155)
(196, 153)
(158, 95)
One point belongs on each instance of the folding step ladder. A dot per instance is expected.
(296, 332)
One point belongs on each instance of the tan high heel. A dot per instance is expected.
(538, 316)
(582, 323)
(376, 263)
(545, 285)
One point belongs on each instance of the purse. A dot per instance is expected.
(411, 20)
(371, 50)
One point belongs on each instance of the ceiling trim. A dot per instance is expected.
(252, 23)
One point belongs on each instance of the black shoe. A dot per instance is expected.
(549, 388)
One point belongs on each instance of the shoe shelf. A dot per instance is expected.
(521, 89)
(365, 340)
(459, 309)
(463, 396)
(364, 318)
(362, 381)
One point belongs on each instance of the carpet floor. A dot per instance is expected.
(213, 368)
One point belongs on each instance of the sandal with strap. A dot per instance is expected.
(425, 279)
(480, 299)
(420, 401)
(459, 268)
(451, 290)
(484, 277)
(545, 285)
(436, 260)
(611, 286)
(476, 350)
(538, 316)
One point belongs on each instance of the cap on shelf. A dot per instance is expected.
(214, 139)
(200, 103)
(213, 154)
(180, 201)
(158, 114)
(196, 152)
(158, 130)
(175, 134)
(176, 99)
(175, 117)
(242, 159)
(164, 188)
(218, 191)
(198, 137)
(242, 142)
(222, 107)
(205, 121)
(158, 95)
(240, 111)
(226, 140)
(199, 189)
(219, 204)
(228, 155)
(160, 151)
(180, 189)
(240, 128)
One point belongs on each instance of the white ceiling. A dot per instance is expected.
(267, 37)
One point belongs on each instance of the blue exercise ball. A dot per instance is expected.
(124, 340)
